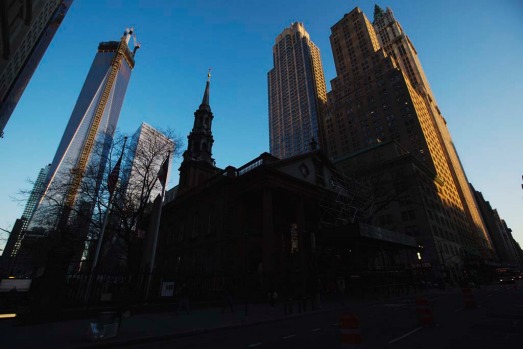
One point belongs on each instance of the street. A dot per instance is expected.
(497, 322)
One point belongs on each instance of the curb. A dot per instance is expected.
(112, 343)
(190, 333)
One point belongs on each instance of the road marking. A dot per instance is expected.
(254, 345)
(518, 305)
(289, 336)
(490, 295)
(460, 309)
(405, 335)
(316, 329)
(335, 324)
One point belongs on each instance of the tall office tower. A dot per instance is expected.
(147, 152)
(27, 29)
(35, 195)
(374, 99)
(14, 242)
(397, 44)
(87, 137)
(297, 93)
(498, 231)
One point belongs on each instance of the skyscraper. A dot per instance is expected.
(88, 135)
(381, 94)
(27, 28)
(406, 57)
(14, 242)
(148, 150)
(297, 93)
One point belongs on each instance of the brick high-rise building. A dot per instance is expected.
(297, 93)
(381, 94)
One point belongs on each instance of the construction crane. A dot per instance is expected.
(78, 171)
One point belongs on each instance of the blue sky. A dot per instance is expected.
(470, 50)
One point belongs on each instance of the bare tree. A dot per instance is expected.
(137, 187)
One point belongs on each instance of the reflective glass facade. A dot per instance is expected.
(79, 125)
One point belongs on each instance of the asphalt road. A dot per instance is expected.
(497, 322)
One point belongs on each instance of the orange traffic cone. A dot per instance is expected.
(424, 312)
(350, 331)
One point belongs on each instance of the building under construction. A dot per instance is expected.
(82, 152)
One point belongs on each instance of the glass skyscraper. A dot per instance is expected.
(147, 151)
(88, 135)
(297, 93)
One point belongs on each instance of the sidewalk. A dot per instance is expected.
(149, 327)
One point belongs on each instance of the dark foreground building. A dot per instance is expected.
(292, 225)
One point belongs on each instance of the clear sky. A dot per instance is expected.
(470, 50)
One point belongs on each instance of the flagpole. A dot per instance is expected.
(156, 229)
(98, 248)
(104, 225)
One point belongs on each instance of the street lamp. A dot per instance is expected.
(418, 253)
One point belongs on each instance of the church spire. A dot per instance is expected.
(205, 101)
(200, 139)
(198, 165)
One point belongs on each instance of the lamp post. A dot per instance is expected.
(418, 254)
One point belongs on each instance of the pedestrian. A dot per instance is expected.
(184, 299)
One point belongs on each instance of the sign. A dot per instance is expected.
(167, 289)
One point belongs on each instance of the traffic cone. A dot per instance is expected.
(350, 331)
(424, 312)
(468, 297)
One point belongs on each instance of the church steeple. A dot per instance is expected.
(198, 164)
(205, 101)
(200, 139)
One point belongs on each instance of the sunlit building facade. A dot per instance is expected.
(381, 94)
(143, 162)
(403, 52)
(297, 93)
(88, 134)
(27, 29)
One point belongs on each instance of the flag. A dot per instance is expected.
(113, 177)
(162, 173)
